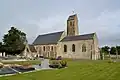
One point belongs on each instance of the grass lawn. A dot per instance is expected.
(77, 70)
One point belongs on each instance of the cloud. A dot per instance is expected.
(39, 17)
(44, 25)
(106, 25)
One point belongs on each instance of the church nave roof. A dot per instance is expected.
(78, 37)
(51, 38)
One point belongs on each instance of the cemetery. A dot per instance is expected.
(11, 69)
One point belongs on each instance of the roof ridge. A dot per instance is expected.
(82, 34)
(50, 33)
(79, 37)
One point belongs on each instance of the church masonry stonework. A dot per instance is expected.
(68, 44)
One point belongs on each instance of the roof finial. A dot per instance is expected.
(73, 12)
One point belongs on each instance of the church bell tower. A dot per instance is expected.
(72, 25)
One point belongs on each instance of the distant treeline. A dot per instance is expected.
(112, 50)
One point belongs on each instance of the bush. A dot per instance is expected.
(58, 64)
(63, 63)
(55, 64)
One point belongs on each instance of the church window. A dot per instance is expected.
(73, 48)
(65, 48)
(44, 48)
(27, 50)
(83, 48)
(51, 48)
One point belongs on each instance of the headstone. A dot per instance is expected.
(45, 64)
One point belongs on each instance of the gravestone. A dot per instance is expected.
(45, 64)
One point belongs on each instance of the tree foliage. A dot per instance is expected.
(1, 47)
(14, 41)
(105, 49)
(113, 50)
(118, 49)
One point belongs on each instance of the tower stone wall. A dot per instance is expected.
(72, 25)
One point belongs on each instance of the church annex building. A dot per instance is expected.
(67, 44)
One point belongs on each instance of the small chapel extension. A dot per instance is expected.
(68, 44)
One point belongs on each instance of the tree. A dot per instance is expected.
(1, 47)
(105, 49)
(118, 49)
(14, 41)
(113, 50)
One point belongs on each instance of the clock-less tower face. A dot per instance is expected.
(72, 26)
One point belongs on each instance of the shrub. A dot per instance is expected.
(63, 63)
(55, 64)
(58, 64)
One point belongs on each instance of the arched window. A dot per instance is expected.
(51, 48)
(83, 48)
(44, 48)
(65, 48)
(27, 50)
(73, 48)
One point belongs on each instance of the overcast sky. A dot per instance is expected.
(36, 17)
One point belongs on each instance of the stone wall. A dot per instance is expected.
(96, 47)
(78, 54)
(47, 50)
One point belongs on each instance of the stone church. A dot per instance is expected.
(68, 44)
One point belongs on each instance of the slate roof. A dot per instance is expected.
(51, 38)
(78, 37)
(32, 48)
